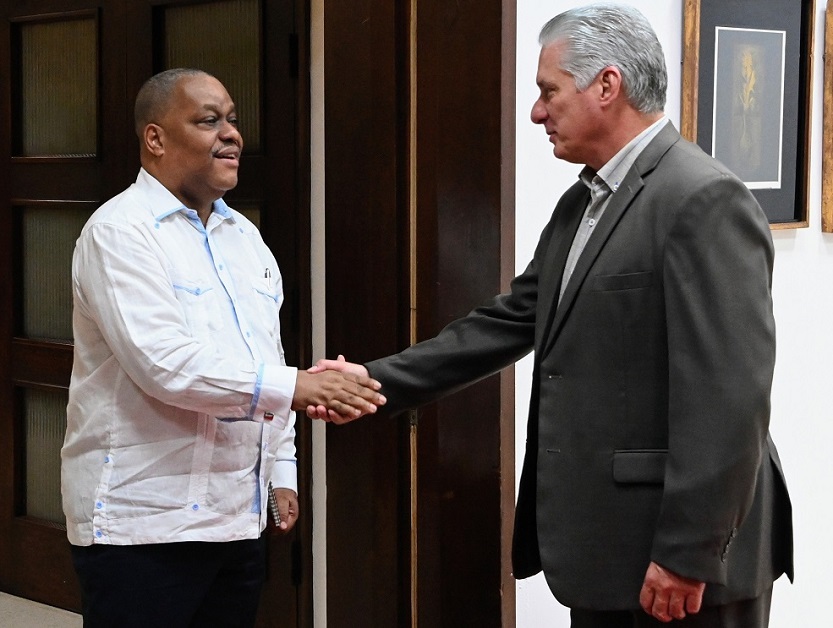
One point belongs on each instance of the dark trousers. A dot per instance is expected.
(752, 613)
(171, 585)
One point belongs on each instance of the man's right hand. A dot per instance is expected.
(344, 393)
(667, 596)
(329, 413)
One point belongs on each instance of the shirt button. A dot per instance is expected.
(195, 507)
(99, 505)
(106, 459)
(591, 222)
(99, 533)
(221, 267)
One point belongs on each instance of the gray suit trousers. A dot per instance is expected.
(752, 613)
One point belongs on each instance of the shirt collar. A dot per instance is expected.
(167, 204)
(222, 209)
(614, 171)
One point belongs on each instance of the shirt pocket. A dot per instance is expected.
(200, 305)
(267, 304)
(639, 466)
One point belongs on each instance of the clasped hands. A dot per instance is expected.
(337, 391)
(344, 413)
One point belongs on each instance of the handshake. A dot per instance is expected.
(337, 391)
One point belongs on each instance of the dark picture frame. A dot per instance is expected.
(747, 96)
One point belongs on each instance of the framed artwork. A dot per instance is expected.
(747, 96)
(827, 139)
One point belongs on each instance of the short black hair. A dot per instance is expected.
(155, 95)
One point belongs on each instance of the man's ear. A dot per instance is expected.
(153, 139)
(610, 80)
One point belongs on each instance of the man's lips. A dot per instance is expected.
(228, 153)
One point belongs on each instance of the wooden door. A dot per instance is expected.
(420, 183)
(72, 69)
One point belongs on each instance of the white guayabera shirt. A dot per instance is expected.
(179, 402)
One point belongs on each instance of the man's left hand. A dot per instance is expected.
(666, 595)
(287, 507)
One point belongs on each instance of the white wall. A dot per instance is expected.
(803, 296)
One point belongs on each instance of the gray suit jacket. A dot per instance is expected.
(648, 423)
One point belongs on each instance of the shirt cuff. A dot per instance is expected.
(285, 475)
(275, 388)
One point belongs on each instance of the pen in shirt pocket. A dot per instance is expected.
(267, 274)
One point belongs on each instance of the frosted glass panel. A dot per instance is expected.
(45, 421)
(58, 89)
(222, 38)
(49, 236)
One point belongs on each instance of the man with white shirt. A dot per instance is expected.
(180, 417)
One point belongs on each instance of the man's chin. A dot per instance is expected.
(226, 184)
(565, 155)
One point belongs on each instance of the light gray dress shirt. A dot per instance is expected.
(603, 184)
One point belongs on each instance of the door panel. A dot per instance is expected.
(236, 62)
(56, 122)
(73, 68)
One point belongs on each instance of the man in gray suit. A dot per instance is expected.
(649, 479)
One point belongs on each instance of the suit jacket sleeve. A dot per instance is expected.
(721, 350)
(469, 349)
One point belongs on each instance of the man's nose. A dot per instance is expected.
(230, 131)
(538, 113)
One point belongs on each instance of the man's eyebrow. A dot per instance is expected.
(218, 108)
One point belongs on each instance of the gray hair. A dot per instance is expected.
(603, 35)
(155, 95)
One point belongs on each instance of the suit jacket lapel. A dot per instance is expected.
(570, 210)
(618, 205)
